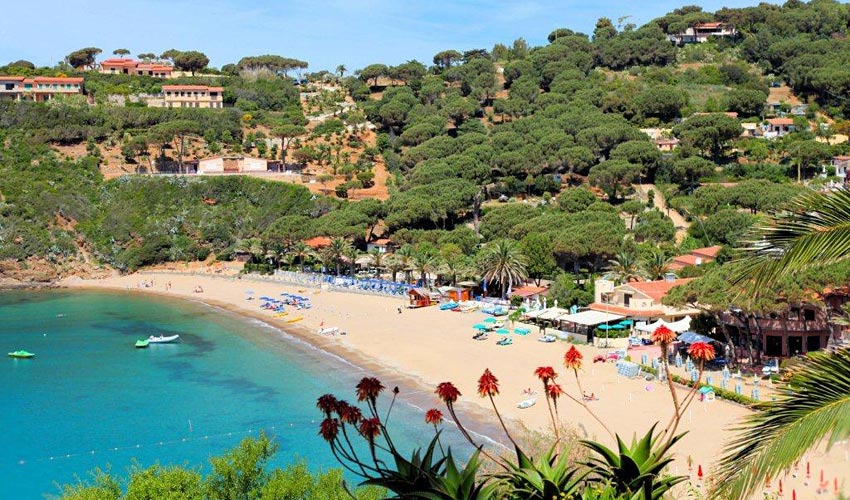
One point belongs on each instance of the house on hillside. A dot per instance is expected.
(666, 145)
(703, 32)
(38, 88)
(841, 164)
(382, 245)
(118, 66)
(696, 257)
(778, 127)
(638, 300)
(751, 130)
(188, 96)
(231, 165)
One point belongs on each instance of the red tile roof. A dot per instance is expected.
(625, 311)
(657, 289)
(318, 242)
(781, 121)
(710, 252)
(50, 79)
(528, 291)
(382, 242)
(11, 78)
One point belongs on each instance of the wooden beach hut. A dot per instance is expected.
(419, 297)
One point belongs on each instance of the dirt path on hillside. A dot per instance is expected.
(661, 204)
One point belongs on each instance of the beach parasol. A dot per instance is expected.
(503, 331)
(610, 327)
(490, 320)
(479, 326)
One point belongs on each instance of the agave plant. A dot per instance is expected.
(552, 475)
(459, 483)
(635, 469)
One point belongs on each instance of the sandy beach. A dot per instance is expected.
(423, 347)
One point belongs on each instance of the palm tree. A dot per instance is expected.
(341, 70)
(255, 248)
(424, 262)
(273, 256)
(783, 430)
(301, 250)
(338, 249)
(655, 267)
(405, 257)
(395, 265)
(452, 267)
(624, 268)
(328, 258)
(351, 255)
(814, 231)
(377, 257)
(502, 262)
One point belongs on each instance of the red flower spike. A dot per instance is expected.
(488, 384)
(447, 392)
(554, 391)
(369, 388)
(663, 335)
(701, 351)
(329, 429)
(545, 373)
(572, 359)
(350, 414)
(434, 417)
(370, 428)
(327, 404)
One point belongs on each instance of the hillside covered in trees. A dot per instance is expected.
(540, 147)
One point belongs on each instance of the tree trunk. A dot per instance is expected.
(476, 212)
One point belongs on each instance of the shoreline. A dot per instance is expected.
(419, 348)
(413, 390)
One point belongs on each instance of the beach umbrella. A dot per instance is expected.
(479, 326)
(611, 327)
(503, 331)
(490, 320)
(249, 292)
(626, 322)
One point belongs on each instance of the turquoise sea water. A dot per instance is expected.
(90, 399)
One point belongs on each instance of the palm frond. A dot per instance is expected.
(815, 230)
(813, 408)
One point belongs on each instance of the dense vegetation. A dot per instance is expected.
(242, 472)
(555, 131)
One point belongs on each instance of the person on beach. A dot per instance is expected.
(399, 309)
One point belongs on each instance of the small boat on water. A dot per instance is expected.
(141, 344)
(162, 339)
(21, 354)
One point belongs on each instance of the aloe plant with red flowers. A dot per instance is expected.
(633, 472)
